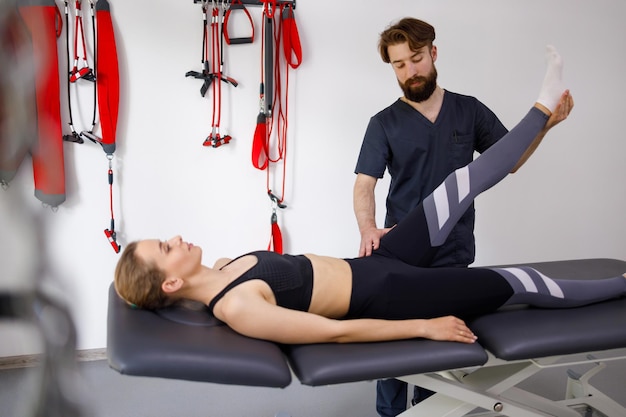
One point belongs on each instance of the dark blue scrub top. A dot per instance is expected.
(420, 154)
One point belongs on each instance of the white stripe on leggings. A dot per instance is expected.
(440, 196)
(463, 182)
(526, 280)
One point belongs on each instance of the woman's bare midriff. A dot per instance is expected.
(332, 286)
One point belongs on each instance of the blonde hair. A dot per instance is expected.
(414, 31)
(139, 282)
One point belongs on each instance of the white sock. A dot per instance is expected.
(553, 86)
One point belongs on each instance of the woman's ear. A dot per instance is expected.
(171, 285)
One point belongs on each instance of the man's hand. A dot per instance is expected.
(563, 109)
(565, 106)
(370, 240)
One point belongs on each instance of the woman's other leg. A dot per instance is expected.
(538, 290)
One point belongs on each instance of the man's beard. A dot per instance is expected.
(420, 92)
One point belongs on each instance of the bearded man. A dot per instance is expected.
(419, 139)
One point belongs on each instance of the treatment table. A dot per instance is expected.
(513, 345)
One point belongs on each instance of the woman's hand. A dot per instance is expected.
(448, 328)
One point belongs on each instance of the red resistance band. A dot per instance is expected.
(215, 139)
(76, 74)
(212, 46)
(110, 233)
(108, 83)
(291, 38)
(79, 31)
(43, 21)
(275, 113)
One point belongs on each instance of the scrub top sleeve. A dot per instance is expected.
(489, 129)
(374, 152)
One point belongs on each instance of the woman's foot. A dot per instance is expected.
(552, 87)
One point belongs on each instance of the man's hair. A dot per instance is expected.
(414, 31)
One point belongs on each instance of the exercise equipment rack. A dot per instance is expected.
(259, 2)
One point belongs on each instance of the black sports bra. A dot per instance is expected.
(290, 278)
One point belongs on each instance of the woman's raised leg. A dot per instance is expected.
(415, 239)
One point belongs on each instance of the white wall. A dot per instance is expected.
(567, 202)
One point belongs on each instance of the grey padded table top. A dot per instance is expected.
(191, 345)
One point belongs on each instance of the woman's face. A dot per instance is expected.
(174, 257)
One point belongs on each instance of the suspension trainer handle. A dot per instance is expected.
(237, 5)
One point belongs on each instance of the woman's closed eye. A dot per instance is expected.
(164, 247)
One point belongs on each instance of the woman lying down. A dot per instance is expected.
(389, 295)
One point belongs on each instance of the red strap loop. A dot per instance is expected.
(291, 38)
(260, 151)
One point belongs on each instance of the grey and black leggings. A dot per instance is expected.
(415, 240)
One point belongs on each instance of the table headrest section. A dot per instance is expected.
(191, 314)
(184, 345)
(530, 333)
(326, 364)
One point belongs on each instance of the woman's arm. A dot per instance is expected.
(250, 314)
